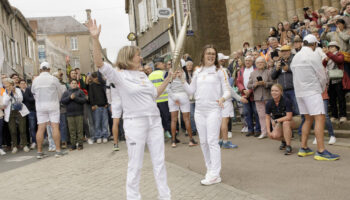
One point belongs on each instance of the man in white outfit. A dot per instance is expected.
(47, 93)
(309, 79)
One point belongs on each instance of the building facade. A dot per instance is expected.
(152, 31)
(62, 40)
(19, 46)
(250, 20)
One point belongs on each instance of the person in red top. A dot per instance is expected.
(335, 61)
(310, 15)
(249, 108)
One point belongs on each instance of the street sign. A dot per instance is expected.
(164, 12)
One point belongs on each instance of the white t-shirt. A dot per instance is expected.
(246, 76)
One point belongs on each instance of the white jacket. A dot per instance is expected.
(309, 77)
(7, 101)
(47, 92)
(138, 94)
(209, 85)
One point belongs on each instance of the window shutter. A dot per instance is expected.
(141, 17)
(154, 9)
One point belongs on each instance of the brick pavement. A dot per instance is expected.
(98, 173)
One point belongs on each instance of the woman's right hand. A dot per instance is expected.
(94, 29)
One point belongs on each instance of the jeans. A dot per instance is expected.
(32, 125)
(193, 123)
(290, 94)
(336, 94)
(328, 121)
(101, 122)
(250, 112)
(88, 122)
(63, 127)
(165, 115)
(50, 138)
(1, 125)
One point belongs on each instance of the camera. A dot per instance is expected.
(306, 9)
(302, 23)
(283, 63)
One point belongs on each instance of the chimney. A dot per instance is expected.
(88, 14)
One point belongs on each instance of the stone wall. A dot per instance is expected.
(250, 20)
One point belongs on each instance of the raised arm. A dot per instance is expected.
(95, 34)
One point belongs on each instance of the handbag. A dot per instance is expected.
(346, 56)
(335, 74)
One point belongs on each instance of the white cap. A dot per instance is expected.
(221, 56)
(310, 39)
(45, 64)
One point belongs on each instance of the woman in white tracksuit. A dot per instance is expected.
(179, 100)
(211, 89)
(142, 122)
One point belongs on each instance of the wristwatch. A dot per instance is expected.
(275, 121)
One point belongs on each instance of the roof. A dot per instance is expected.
(58, 25)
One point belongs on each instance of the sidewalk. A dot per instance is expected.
(98, 173)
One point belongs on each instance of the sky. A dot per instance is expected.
(109, 13)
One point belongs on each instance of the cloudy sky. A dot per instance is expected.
(110, 13)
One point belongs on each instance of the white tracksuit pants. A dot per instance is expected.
(138, 132)
(208, 126)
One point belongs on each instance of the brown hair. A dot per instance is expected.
(210, 46)
(125, 56)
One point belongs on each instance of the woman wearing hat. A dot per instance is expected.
(335, 62)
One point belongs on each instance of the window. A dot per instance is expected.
(13, 51)
(30, 47)
(143, 17)
(75, 63)
(74, 43)
(18, 58)
(154, 10)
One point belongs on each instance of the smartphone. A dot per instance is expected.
(259, 78)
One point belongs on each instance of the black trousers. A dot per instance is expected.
(165, 115)
(337, 98)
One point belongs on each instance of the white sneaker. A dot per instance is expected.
(90, 141)
(262, 136)
(333, 119)
(98, 141)
(332, 140)
(315, 141)
(210, 180)
(342, 119)
(51, 149)
(2, 152)
(105, 140)
(229, 135)
(26, 149)
(14, 150)
(33, 146)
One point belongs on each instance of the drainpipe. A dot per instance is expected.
(174, 19)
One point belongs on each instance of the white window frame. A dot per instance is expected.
(17, 53)
(76, 62)
(154, 11)
(74, 43)
(143, 16)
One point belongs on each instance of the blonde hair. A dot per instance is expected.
(279, 86)
(126, 55)
(9, 80)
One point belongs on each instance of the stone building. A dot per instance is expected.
(64, 38)
(208, 25)
(250, 20)
(18, 42)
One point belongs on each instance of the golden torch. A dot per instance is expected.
(177, 48)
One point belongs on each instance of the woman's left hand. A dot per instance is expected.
(221, 102)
